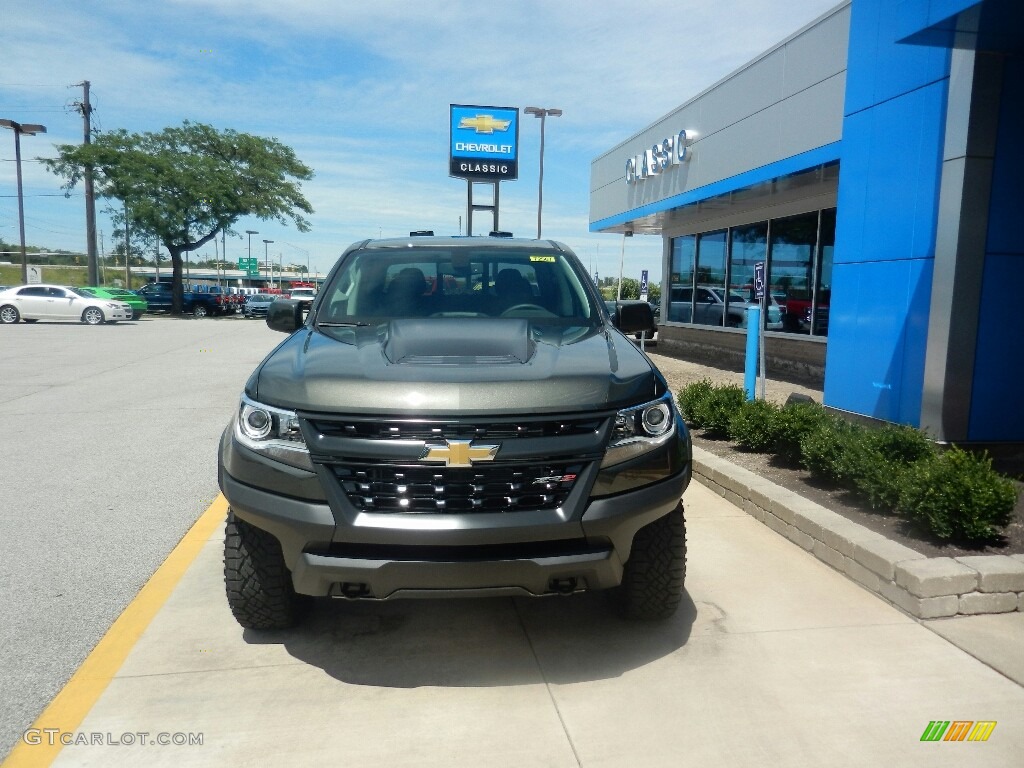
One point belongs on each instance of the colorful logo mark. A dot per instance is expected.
(958, 730)
(484, 123)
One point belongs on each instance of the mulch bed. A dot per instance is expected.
(844, 503)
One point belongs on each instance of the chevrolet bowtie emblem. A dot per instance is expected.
(459, 453)
(484, 124)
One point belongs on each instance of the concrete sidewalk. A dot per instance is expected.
(926, 588)
(774, 659)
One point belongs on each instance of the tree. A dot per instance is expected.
(185, 185)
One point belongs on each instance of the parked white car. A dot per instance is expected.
(57, 302)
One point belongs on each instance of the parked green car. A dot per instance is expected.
(138, 304)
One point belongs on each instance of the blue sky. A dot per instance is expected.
(362, 91)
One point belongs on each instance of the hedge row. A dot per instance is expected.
(954, 494)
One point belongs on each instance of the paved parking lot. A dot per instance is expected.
(774, 659)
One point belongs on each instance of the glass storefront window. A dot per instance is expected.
(712, 248)
(711, 275)
(823, 294)
(680, 305)
(749, 246)
(791, 274)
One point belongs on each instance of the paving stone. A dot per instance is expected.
(828, 555)
(988, 602)
(997, 573)
(752, 509)
(881, 556)
(841, 535)
(860, 574)
(922, 608)
(935, 576)
(732, 497)
(812, 518)
(785, 503)
(799, 537)
(776, 524)
(760, 494)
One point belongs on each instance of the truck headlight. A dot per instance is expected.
(641, 429)
(272, 432)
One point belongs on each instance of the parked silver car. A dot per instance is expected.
(57, 302)
(710, 308)
(257, 304)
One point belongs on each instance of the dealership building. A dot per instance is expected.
(875, 161)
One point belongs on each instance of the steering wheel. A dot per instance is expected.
(527, 307)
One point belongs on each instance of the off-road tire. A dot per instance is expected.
(258, 584)
(652, 581)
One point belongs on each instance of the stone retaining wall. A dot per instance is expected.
(925, 587)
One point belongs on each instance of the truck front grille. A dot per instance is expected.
(385, 429)
(456, 490)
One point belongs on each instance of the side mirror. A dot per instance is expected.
(635, 316)
(284, 315)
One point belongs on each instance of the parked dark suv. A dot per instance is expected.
(454, 416)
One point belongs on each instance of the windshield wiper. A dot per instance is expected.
(331, 324)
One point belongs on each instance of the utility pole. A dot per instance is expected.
(90, 193)
(127, 252)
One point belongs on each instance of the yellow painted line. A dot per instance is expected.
(69, 707)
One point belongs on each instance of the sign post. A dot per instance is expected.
(761, 295)
(483, 147)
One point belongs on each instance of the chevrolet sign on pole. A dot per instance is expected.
(484, 143)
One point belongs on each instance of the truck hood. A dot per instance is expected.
(455, 366)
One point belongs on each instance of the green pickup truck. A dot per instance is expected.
(454, 416)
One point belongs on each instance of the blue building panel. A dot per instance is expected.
(996, 410)
(880, 68)
(876, 345)
(889, 184)
(1007, 201)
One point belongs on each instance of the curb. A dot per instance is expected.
(924, 587)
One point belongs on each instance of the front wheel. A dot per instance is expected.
(9, 315)
(258, 584)
(199, 311)
(93, 316)
(652, 580)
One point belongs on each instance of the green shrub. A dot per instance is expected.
(753, 426)
(957, 495)
(690, 398)
(877, 461)
(718, 407)
(795, 421)
(824, 451)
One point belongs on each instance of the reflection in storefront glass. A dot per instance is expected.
(823, 295)
(684, 250)
(798, 250)
(749, 246)
(712, 249)
(792, 268)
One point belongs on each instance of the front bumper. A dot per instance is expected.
(334, 549)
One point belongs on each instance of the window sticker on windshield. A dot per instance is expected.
(542, 258)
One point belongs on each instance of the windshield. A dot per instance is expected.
(383, 283)
(261, 297)
(83, 292)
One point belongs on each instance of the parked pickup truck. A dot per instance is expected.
(200, 304)
(454, 416)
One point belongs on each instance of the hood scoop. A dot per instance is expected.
(459, 341)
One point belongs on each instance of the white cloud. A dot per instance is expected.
(361, 91)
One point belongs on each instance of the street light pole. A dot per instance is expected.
(250, 233)
(29, 129)
(542, 113)
(266, 260)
